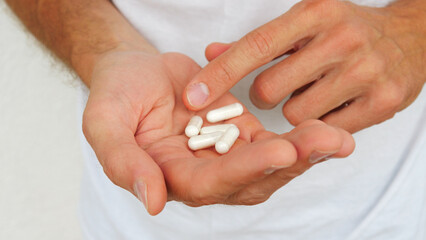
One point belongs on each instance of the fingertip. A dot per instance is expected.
(151, 191)
(348, 145)
(319, 140)
(196, 95)
(215, 49)
(255, 99)
(294, 115)
(131, 168)
(157, 201)
(154, 186)
(315, 136)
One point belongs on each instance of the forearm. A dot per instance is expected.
(79, 31)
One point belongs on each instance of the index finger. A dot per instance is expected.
(255, 49)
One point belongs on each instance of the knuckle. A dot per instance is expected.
(202, 199)
(92, 115)
(260, 44)
(224, 74)
(388, 100)
(349, 36)
(374, 67)
(293, 114)
(321, 8)
(365, 72)
(109, 170)
(86, 122)
(315, 5)
(250, 196)
(111, 162)
(292, 173)
(191, 204)
(85, 127)
(264, 90)
(200, 194)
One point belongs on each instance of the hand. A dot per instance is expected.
(135, 119)
(350, 66)
(259, 163)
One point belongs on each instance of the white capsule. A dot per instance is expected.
(227, 140)
(203, 141)
(194, 126)
(223, 113)
(216, 128)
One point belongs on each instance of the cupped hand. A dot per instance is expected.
(351, 66)
(135, 120)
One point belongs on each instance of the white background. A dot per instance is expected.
(40, 156)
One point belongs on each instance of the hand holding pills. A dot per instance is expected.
(135, 121)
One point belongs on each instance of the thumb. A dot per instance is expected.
(215, 49)
(123, 161)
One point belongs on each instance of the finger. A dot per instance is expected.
(376, 103)
(314, 138)
(309, 64)
(352, 118)
(315, 125)
(361, 113)
(123, 161)
(252, 51)
(315, 142)
(320, 98)
(217, 179)
(348, 146)
(215, 49)
(319, 58)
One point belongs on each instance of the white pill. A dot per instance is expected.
(204, 141)
(227, 140)
(216, 128)
(194, 126)
(223, 113)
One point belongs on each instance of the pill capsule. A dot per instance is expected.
(203, 141)
(227, 140)
(216, 128)
(194, 126)
(226, 112)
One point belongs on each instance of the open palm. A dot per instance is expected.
(135, 120)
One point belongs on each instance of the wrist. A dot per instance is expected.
(406, 26)
(405, 19)
(84, 58)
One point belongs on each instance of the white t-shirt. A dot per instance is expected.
(379, 192)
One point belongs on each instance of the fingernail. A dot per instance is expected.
(273, 169)
(197, 94)
(140, 189)
(317, 156)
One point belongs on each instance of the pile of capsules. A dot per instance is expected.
(222, 136)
